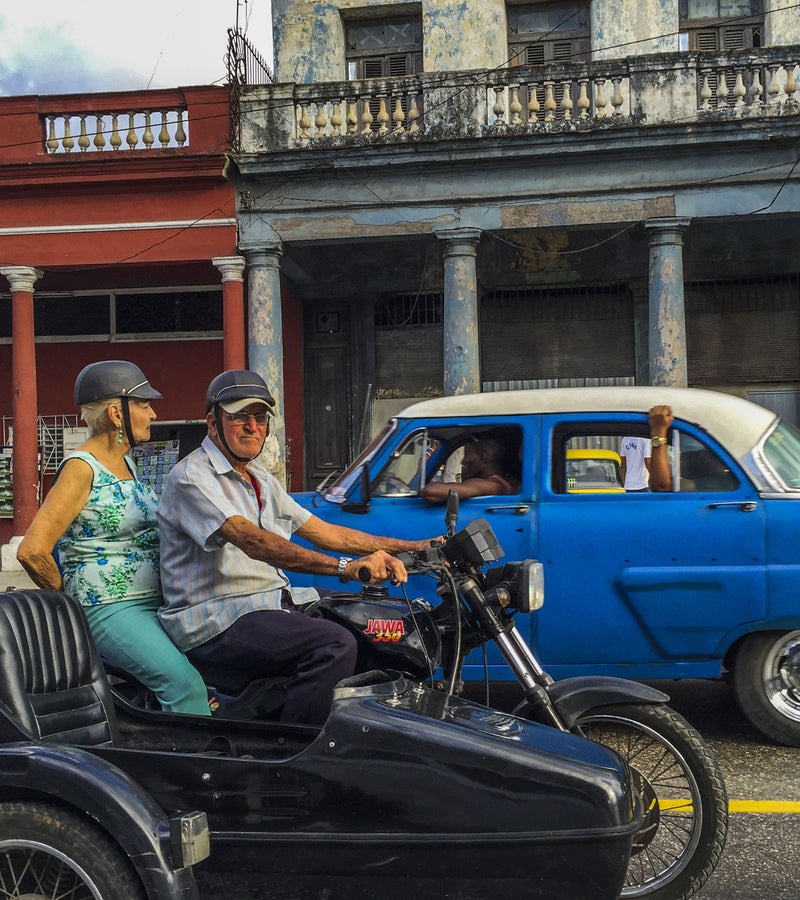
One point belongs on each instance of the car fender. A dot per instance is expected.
(735, 636)
(94, 786)
(572, 697)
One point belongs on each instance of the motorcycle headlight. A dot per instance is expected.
(518, 585)
(529, 595)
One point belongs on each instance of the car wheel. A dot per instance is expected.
(49, 852)
(766, 682)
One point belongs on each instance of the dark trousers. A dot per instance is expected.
(314, 653)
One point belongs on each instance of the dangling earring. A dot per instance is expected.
(119, 435)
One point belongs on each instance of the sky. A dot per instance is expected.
(89, 46)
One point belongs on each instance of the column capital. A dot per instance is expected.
(230, 267)
(459, 239)
(21, 278)
(667, 230)
(263, 256)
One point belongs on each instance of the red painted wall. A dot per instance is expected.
(148, 190)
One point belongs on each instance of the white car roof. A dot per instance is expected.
(736, 423)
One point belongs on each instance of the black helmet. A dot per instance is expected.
(112, 378)
(237, 385)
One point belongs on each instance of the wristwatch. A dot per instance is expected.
(658, 441)
(343, 561)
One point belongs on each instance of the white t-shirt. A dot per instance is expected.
(635, 450)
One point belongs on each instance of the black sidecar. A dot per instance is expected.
(403, 793)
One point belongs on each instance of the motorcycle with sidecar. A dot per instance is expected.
(406, 791)
(680, 787)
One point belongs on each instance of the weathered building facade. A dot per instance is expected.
(118, 239)
(465, 195)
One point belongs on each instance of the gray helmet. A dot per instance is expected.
(238, 384)
(112, 378)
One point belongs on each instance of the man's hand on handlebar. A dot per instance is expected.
(376, 568)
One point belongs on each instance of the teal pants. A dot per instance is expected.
(129, 635)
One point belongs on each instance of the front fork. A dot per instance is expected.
(533, 679)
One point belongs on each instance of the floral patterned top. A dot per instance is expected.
(110, 551)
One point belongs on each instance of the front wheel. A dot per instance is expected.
(682, 792)
(766, 682)
(48, 853)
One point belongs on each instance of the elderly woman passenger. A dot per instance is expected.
(99, 521)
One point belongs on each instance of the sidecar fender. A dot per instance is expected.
(572, 697)
(154, 843)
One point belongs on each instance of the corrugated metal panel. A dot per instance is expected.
(558, 333)
(409, 362)
(743, 331)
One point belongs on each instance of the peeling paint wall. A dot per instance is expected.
(309, 41)
(782, 21)
(464, 34)
(309, 36)
(618, 29)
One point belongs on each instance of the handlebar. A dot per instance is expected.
(474, 545)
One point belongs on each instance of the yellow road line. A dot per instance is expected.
(764, 806)
(738, 806)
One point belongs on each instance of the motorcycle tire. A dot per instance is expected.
(49, 852)
(766, 683)
(682, 792)
(683, 795)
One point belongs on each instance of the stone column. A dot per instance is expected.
(24, 407)
(667, 330)
(265, 347)
(233, 330)
(462, 364)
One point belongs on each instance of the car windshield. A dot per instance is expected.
(782, 450)
(337, 492)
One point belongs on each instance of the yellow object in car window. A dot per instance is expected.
(594, 472)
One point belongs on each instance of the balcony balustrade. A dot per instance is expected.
(99, 131)
(178, 123)
(659, 89)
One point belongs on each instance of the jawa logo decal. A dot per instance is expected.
(385, 630)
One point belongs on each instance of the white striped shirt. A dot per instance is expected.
(207, 582)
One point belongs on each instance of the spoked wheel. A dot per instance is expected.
(50, 853)
(682, 793)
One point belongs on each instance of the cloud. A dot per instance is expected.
(89, 46)
(48, 62)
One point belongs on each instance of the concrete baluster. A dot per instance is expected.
(99, 140)
(83, 137)
(163, 134)
(147, 137)
(116, 138)
(67, 141)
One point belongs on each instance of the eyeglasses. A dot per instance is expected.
(243, 418)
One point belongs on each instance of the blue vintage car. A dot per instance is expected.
(700, 582)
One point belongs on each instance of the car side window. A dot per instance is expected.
(596, 457)
(401, 476)
(435, 454)
(696, 467)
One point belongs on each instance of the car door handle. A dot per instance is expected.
(743, 505)
(519, 508)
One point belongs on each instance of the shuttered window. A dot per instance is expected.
(720, 25)
(384, 48)
(540, 33)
